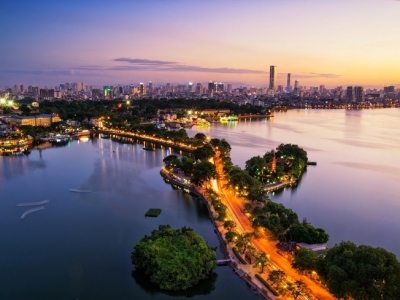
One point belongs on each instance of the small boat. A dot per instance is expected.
(79, 191)
(148, 149)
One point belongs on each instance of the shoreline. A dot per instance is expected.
(227, 251)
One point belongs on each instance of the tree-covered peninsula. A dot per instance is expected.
(174, 259)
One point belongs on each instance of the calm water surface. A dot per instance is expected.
(79, 246)
(354, 191)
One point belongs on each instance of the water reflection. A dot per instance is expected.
(204, 287)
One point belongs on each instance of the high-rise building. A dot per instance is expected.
(198, 89)
(388, 89)
(142, 88)
(108, 92)
(47, 94)
(229, 89)
(219, 86)
(150, 87)
(350, 93)
(211, 86)
(288, 87)
(359, 93)
(190, 87)
(21, 88)
(272, 77)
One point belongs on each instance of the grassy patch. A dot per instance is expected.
(267, 285)
(240, 258)
(153, 212)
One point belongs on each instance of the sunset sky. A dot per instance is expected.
(99, 42)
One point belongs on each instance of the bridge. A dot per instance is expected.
(223, 262)
(275, 187)
(154, 141)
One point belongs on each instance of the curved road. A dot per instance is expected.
(235, 205)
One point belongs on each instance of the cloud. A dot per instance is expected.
(145, 61)
(314, 75)
(161, 65)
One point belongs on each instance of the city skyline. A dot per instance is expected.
(335, 44)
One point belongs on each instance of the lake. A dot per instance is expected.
(79, 246)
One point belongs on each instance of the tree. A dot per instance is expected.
(203, 172)
(255, 166)
(174, 259)
(204, 152)
(242, 181)
(229, 225)
(243, 241)
(360, 272)
(171, 161)
(299, 288)
(187, 164)
(261, 261)
(305, 260)
(257, 194)
(200, 137)
(231, 236)
(306, 233)
(277, 277)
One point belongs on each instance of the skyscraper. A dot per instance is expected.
(198, 89)
(272, 77)
(359, 93)
(288, 87)
(350, 93)
(211, 86)
(142, 89)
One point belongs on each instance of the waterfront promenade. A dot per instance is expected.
(151, 141)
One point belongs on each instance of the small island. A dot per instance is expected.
(174, 259)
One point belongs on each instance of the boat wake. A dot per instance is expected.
(79, 191)
(33, 203)
(29, 211)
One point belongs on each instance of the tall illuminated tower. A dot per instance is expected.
(288, 87)
(272, 77)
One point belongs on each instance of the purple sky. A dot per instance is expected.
(342, 42)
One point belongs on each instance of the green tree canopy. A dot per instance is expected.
(305, 260)
(306, 233)
(361, 272)
(202, 172)
(204, 152)
(174, 259)
(255, 165)
(172, 161)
